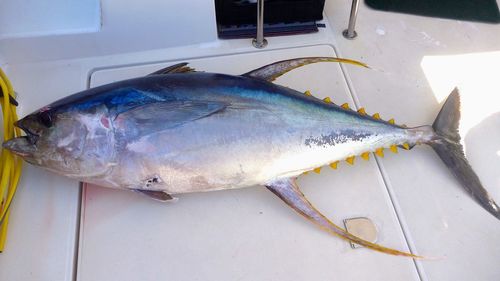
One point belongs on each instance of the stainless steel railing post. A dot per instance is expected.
(260, 42)
(350, 33)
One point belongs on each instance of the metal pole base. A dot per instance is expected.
(259, 45)
(350, 33)
(349, 36)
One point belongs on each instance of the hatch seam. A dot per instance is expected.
(392, 197)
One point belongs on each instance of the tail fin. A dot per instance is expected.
(447, 146)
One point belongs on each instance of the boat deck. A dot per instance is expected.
(62, 231)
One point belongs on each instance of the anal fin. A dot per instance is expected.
(290, 193)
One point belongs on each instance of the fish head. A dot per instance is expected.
(71, 143)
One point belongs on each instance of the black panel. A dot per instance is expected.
(471, 10)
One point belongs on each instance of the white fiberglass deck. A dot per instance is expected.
(57, 233)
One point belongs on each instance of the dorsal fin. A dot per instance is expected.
(176, 68)
(274, 70)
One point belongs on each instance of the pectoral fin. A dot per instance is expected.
(274, 70)
(290, 193)
(150, 118)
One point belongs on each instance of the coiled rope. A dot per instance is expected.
(10, 164)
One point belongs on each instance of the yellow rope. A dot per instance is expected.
(10, 164)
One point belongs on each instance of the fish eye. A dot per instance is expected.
(45, 119)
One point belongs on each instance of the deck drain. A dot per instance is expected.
(361, 227)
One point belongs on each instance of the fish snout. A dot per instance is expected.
(21, 146)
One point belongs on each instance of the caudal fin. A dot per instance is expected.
(447, 146)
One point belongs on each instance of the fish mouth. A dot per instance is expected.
(24, 146)
(31, 136)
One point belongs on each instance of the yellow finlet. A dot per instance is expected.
(362, 111)
(380, 152)
(327, 100)
(376, 116)
(365, 155)
(345, 106)
(317, 170)
(307, 93)
(406, 146)
(350, 160)
(391, 121)
(334, 165)
(394, 148)
(305, 173)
